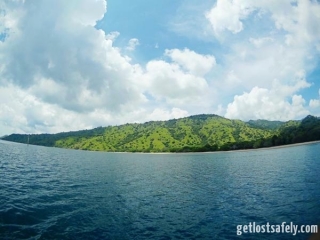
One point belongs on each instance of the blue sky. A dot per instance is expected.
(153, 23)
(69, 65)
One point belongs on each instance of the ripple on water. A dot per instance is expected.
(48, 193)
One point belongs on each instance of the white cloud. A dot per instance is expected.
(277, 102)
(59, 72)
(232, 79)
(112, 36)
(227, 14)
(163, 114)
(247, 66)
(315, 103)
(63, 50)
(169, 82)
(181, 82)
(260, 42)
(272, 60)
(22, 112)
(299, 19)
(9, 15)
(64, 74)
(132, 44)
(261, 103)
(191, 61)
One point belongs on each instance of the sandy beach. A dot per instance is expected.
(275, 147)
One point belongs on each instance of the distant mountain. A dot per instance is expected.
(206, 132)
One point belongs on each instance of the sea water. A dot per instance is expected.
(51, 193)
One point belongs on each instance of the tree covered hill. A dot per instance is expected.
(265, 124)
(204, 132)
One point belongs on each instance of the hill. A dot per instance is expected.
(265, 124)
(206, 132)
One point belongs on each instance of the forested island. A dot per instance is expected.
(198, 133)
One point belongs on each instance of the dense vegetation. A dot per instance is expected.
(190, 134)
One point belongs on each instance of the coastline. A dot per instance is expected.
(274, 147)
(230, 151)
(236, 150)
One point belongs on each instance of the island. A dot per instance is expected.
(198, 133)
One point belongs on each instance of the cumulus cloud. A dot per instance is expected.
(59, 72)
(273, 60)
(261, 65)
(227, 15)
(191, 61)
(132, 44)
(22, 112)
(164, 114)
(299, 19)
(66, 52)
(261, 103)
(179, 82)
(112, 36)
(315, 103)
(278, 103)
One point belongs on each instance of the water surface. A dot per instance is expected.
(50, 193)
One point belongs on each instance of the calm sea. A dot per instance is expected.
(50, 193)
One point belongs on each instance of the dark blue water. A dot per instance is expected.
(49, 193)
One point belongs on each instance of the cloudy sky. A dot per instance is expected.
(79, 64)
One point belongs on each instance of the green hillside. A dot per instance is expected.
(265, 124)
(194, 133)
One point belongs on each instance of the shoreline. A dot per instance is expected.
(273, 147)
(230, 151)
(236, 150)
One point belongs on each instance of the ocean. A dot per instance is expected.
(51, 193)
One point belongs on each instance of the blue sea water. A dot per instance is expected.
(50, 193)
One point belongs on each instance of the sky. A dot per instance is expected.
(80, 64)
